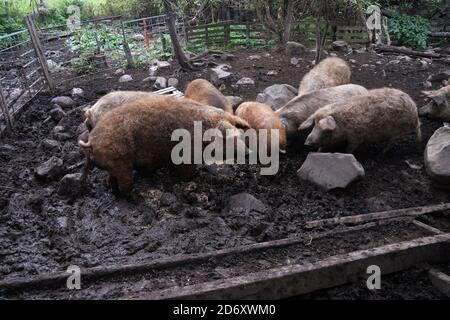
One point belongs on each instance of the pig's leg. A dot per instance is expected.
(388, 146)
(185, 171)
(123, 174)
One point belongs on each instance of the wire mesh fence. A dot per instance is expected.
(20, 75)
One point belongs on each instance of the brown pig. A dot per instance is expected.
(138, 135)
(381, 115)
(328, 73)
(109, 102)
(203, 91)
(261, 116)
(439, 105)
(296, 111)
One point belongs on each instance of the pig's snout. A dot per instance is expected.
(84, 136)
(310, 142)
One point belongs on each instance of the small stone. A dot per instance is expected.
(219, 74)
(427, 84)
(393, 62)
(77, 93)
(153, 71)
(62, 222)
(295, 49)
(149, 79)
(168, 199)
(437, 156)
(52, 169)
(163, 64)
(277, 95)
(119, 71)
(71, 185)
(245, 202)
(272, 73)
(50, 144)
(63, 101)
(59, 129)
(245, 82)
(160, 83)
(294, 61)
(172, 82)
(340, 46)
(235, 101)
(254, 57)
(57, 113)
(125, 78)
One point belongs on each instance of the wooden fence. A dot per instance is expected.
(227, 33)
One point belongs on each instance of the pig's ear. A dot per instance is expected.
(241, 123)
(327, 123)
(307, 124)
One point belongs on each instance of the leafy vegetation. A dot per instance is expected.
(411, 31)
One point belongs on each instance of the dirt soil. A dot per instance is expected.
(42, 232)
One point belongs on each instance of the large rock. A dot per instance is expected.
(63, 101)
(153, 71)
(57, 113)
(172, 82)
(245, 202)
(77, 93)
(331, 170)
(437, 156)
(125, 78)
(439, 77)
(219, 74)
(295, 49)
(340, 46)
(277, 95)
(51, 169)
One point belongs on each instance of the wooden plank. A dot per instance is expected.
(5, 110)
(427, 227)
(412, 212)
(39, 52)
(294, 280)
(440, 281)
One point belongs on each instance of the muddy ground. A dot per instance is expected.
(42, 232)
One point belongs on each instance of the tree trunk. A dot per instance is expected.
(178, 51)
(43, 4)
(289, 12)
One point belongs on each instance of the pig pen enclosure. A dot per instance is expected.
(230, 232)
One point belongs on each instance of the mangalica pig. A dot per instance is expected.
(261, 116)
(330, 72)
(439, 105)
(203, 91)
(138, 135)
(296, 111)
(109, 102)
(381, 115)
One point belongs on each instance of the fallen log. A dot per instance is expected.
(376, 216)
(406, 51)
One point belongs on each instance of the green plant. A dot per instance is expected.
(411, 31)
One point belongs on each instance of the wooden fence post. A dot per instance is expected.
(39, 52)
(227, 34)
(5, 110)
(206, 37)
(126, 48)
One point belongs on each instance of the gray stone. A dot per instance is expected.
(277, 95)
(119, 72)
(235, 101)
(125, 78)
(219, 74)
(153, 71)
(427, 84)
(340, 46)
(245, 82)
(172, 82)
(331, 170)
(294, 61)
(168, 199)
(71, 185)
(59, 129)
(57, 113)
(244, 202)
(437, 156)
(254, 57)
(149, 79)
(295, 49)
(272, 73)
(77, 93)
(163, 64)
(52, 169)
(160, 83)
(50, 144)
(53, 66)
(63, 101)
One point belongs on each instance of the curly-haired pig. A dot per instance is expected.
(261, 116)
(381, 115)
(439, 106)
(296, 111)
(330, 72)
(109, 102)
(203, 91)
(138, 136)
